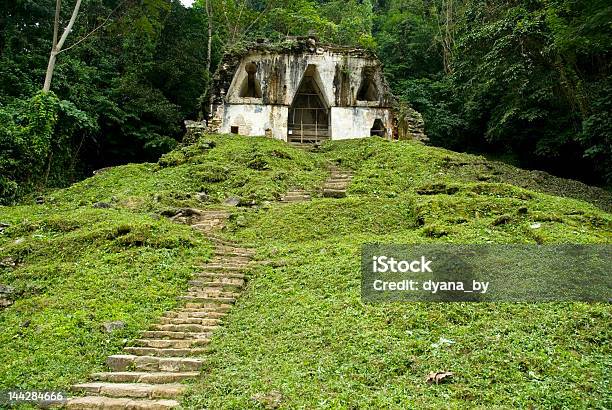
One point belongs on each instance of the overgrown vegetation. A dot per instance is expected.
(526, 81)
(101, 251)
(301, 336)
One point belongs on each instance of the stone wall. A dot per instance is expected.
(356, 122)
(340, 73)
(6, 296)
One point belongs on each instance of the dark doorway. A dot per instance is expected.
(367, 89)
(308, 116)
(250, 86)
(378, 129)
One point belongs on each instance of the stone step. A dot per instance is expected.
(231, 258)
(189, 320)
(222, 241)
(215, 214)
(211, 291)
(220, 275)
(224, 267)
(295, 194)
(333, 184)
(294, 200)
(111, 403)
(144, 377)
(184, 328)
(221, 283)
(246, 257)
(217, 293)
(294, 197)
(164, 352)
(221, 307)
(206, 299)
(334, 193)
(207, 222)
(164, 334)
(231, 251)
(124, 362)
(201, 313)
(171, 343)
(229, 261)
(205, 226)
(134, 390)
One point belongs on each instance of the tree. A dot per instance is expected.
(57, 45)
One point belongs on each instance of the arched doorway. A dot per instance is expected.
(308, 121)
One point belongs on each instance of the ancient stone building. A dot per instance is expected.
(301, 91)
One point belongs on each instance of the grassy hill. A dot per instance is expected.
(102, 250)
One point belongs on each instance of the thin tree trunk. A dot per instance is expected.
(58, 44)
(50, 68)
(208, 109)
(209, 54)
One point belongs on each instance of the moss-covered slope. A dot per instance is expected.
(300, 331)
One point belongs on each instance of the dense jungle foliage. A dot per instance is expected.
(524, 80)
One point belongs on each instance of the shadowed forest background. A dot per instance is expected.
(524, 81)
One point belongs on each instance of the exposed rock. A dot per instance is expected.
(410, 124)
(438, 377)
(194, 130)
(241, 221)
(6, 289)
(6, 295)
(101, 170)
(501, 220)
(270, 400)
(110, 327)
(232, 201)
(436, 189)
(101, 205)
(7, 262)
(202, 196)
(188, 212)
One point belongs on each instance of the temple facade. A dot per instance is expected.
(301, 92)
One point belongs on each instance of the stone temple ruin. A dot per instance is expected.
(303, 92)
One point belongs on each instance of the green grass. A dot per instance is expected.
(300, 329)
(75, 267)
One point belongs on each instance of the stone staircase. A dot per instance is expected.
(335, 186)
(298, 195)
(148, 373)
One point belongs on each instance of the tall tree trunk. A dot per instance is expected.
(209, 58)
(209, 54)
(58, 44)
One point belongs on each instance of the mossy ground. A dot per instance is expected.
(300, 329)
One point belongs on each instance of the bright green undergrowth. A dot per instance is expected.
(300, 331)
(99, 251)
(202, 174)
(301, 334)
(76, 270)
